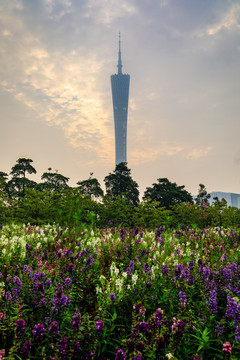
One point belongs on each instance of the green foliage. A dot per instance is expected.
(120, 183)
(167, 194)
(149, 214)
(91, 187)
(54, 182)
(17, 185)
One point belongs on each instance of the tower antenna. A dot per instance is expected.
(119, 55)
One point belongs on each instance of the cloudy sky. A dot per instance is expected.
(56, 59)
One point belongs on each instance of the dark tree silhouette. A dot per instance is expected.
(166, 193)
(91, 187)
(202, 198)
(120, 183)
(19, 182)
(54, 182)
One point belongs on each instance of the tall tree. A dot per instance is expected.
(53, 181)
(3, 184)
(91, 187)
(203, 197)
(120, 183)
(166, 193)
(19, 181)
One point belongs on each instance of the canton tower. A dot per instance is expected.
(120, 94)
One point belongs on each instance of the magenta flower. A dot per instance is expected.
(227, 347)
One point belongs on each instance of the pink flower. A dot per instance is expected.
(227, 347)
(2, 353)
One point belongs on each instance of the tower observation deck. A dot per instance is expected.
(120, 94)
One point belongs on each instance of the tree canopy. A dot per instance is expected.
(19, 182)
(54, 181)
(166, 193)
(202, 198)
(120, 183)
(91, 187)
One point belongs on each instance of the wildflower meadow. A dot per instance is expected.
(115, 293)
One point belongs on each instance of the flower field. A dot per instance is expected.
(74, 293)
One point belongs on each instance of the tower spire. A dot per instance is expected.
(119, 66)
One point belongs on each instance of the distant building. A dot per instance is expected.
(232, 199)
(120, 94)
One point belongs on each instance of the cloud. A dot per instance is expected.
(149, 153)
(110, 10)
(61, 88)
(197, 153)
(229, 20)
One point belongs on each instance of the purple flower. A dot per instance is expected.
(17, 283)
(190, 280)
(237, 336)
(76, 321)
(212, 303)
(219, 330)
(191, 265)
(89, 262)
(38, 331)
(15, 295)
(158, 316)
(120, 355)
(183, 298)
(67, 282)
(26, 349)
(112, 297)
(178, 271)
(54, 328)
(59, 300)
(63, 348)
(164, 270)
(8, 296)
(130, 268)
(146, 268)
(143, 327)
(48, 282)
(99, 326)
(90, 355)
(70, 268)
(77, 348)
(21, 326)
(137, 357)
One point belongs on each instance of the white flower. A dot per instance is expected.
(98, 290)
(114, 270)
(169, 356)
(119, 283)
(134, 279)
(124, 274)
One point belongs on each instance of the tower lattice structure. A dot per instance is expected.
(120, 95)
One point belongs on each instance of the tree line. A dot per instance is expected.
(53, 200)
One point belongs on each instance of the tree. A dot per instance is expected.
(203, 196)
(53, 181)
(120, 183)
(19, 182)
(167, 194)
(3, 184)
(91, 187)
